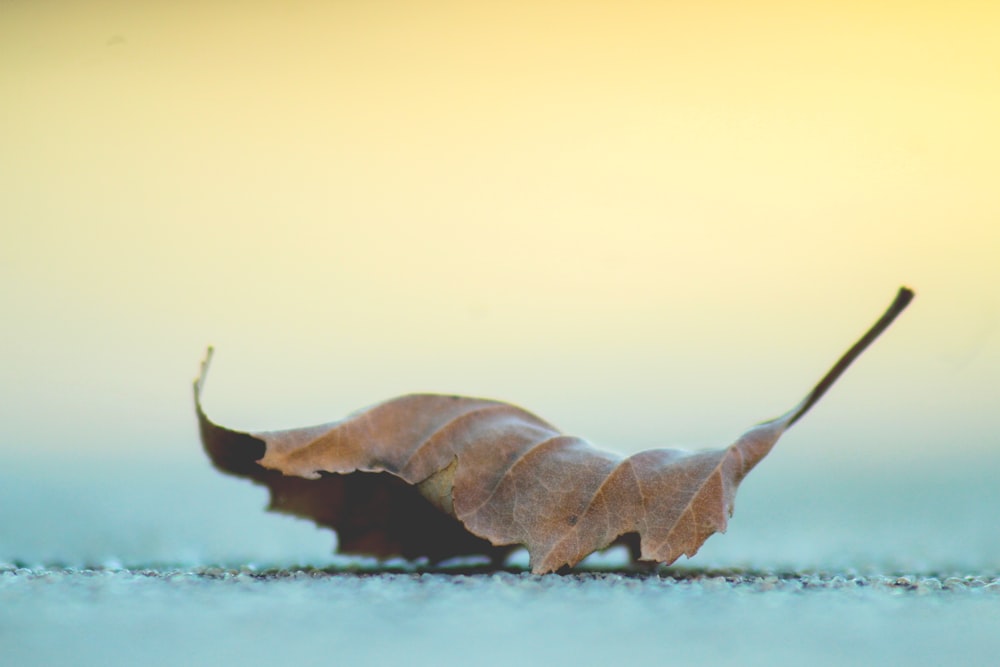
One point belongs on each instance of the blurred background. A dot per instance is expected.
(651, 223)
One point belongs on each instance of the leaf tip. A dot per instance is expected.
(199, 382)
(231, 451)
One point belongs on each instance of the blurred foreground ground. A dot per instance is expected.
(212, 616)
(106, 564)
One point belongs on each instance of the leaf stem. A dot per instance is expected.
(902, 300)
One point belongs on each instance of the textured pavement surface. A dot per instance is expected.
(305, 616)
(158, 565)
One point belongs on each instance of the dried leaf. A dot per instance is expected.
(442, 476)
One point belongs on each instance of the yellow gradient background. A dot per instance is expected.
(653, 223)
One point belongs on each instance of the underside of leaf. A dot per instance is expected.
(436, 476)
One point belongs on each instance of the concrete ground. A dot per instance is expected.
(158, 565)
(217, 616)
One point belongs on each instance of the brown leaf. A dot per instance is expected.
(443, 476)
